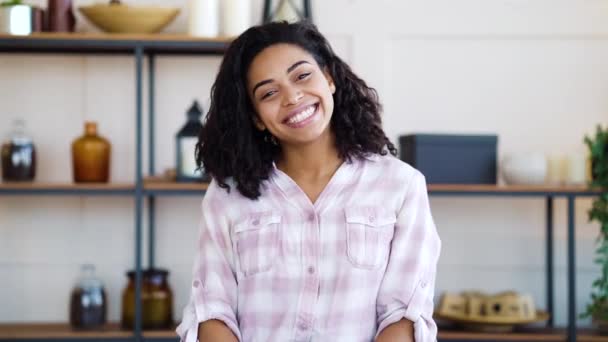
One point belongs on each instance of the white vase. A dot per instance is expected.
(203, 18)
(524, 169)
(236, 17)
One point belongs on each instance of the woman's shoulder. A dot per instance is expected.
(389, 166)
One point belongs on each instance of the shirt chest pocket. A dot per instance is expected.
(257, 242)
(368, 234)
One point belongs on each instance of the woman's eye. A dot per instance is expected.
(268, 94)
(303, 76)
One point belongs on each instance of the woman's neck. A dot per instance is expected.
(316, 161)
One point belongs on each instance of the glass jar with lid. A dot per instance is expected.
(88, 302)
(156, 300)
(18, 155)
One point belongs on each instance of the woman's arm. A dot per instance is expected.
(215, 331)
(407, 290)
(402, 331)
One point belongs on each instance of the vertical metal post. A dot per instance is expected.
(267, 13)
(307, 10)
(571, 274)
(549, 260)
(138, 190)
(151, 161)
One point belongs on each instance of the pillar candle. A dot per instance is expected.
(236, 17)
(576, 169)
(555, 169)
(203, 19)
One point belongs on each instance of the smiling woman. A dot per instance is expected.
(328, 237)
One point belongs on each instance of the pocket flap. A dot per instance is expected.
(255, 221)
(370, 216)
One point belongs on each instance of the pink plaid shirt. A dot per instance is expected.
(363, 256)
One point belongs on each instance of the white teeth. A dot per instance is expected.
(301, 116)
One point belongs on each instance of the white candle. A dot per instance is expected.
(555, 169)
(236, 17)
(203, 19)
(576, 169)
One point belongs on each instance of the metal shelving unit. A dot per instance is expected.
(144, 46)
(139, 46)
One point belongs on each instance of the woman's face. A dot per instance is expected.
(291, 94)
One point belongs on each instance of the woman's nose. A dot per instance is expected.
(293, 96)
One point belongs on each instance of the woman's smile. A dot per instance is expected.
(302, 117)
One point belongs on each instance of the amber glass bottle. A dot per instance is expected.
(91, 156)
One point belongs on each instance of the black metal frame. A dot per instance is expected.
(142, 48)
(139, 49)
(571, 252)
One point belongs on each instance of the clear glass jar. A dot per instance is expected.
(18, 155)
(88, 304)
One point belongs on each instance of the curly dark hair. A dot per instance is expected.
(230, 145)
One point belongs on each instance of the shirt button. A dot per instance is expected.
(311, 217)
(423, 284)
(372, 218)
(303, 326)
(196, 283)
(311, 270)
(256, 222)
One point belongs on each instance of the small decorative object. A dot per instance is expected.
(16, 18)
(236, 17)
(186, 140)
(598, 150)
(490, 313)
(203, 18)
(288, 10)
(524, 169)
(556, 169)
(60, 16)
(18, 155)
(118, 18)
(451, 158)
(88, 302)
(156, 299)
(576, 169)
(91, 156)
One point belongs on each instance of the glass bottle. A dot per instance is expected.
(88, 301)
(60, 16)
(91, 156)
(156, 300)
(18, 155)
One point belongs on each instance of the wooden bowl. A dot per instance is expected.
(119, 18)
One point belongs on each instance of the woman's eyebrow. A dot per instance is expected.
(290, 69)
(295, 65)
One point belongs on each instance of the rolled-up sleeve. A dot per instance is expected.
(213, 287)
(408, 285)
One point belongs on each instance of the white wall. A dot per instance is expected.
(534, 72)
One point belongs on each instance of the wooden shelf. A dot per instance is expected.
(160, 186)
(63, 331)
(538, 334)
(112, 43)
(35, 188)
(113, 331)
(489, 189)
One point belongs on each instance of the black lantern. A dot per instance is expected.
(185, 142)
(290, 10)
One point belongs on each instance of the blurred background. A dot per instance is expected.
(533, 73)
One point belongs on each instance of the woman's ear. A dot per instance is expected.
(330, 80)
(258, 123)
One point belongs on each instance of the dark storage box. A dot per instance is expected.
(451, 159)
